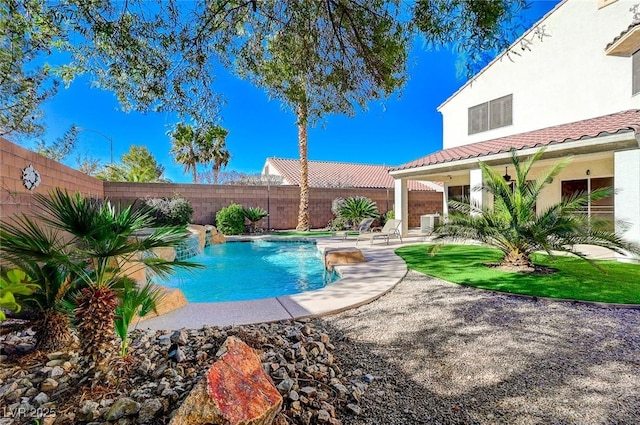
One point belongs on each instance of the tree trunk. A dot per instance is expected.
(303, 212)
(516, 259)
(195, 174)
(53, 332)
(95, 315)
(216, 173)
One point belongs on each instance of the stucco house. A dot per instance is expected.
(571, 83)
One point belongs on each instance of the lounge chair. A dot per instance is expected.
(391, 229)
(363, 228)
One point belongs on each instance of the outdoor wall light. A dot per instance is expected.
(506, 176)
(588, 172)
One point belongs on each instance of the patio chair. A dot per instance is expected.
(391, 229)
(363, 228)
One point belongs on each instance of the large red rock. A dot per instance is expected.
(237, 391)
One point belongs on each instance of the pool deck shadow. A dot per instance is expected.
(360, 284)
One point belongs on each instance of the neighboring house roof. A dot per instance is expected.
(585, 129)
(339, 174)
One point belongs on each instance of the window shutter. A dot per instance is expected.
(501, 112)
(635, 83)
(478, 118)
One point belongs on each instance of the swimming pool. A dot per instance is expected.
(239, 271)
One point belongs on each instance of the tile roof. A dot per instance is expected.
(585, 129)
(340, 174)
(622, 34)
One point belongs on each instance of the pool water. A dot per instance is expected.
(236, 271)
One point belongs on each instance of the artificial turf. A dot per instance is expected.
(575, 279)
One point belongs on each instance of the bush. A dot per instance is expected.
(358, 208)
(174, 211)
(254, 215)
(230, 220)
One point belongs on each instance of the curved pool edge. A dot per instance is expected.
(360, 284)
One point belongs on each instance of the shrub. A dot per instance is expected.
(230, 220)
(254, 215)
(357, 208)
(174, 211)
(336, 204)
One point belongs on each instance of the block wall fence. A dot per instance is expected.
(14, 197)
(206, 200)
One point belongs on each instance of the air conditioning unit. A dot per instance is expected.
(428, 222)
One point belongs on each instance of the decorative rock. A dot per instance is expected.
(179, 337)
(88, 411)
(56, 371)
(335, 256)
(354, 408)
(237, 391)
(323, 416)
(49, 385)
(56, 356)
(122, 407)
(218, 238)
(285, 386)
(41, 399)
(149, 410)
(309, 391)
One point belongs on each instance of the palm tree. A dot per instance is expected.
(185, 148)
(44, 256)
(214, 148)
(103, 247)
(513, 226)
(200, 145)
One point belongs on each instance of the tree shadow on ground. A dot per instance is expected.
(443, 353)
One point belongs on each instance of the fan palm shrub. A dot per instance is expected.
(357, 208)
(254, 215)
(101, 246)
(45, 257)
(134, 301)
(513, 226)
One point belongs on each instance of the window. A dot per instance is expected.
(489, 115)
(459, 193)
(600, 211)
(635, 73)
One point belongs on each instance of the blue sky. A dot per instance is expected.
(402, 129)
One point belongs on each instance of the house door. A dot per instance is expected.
(601, 210)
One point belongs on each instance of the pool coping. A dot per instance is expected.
(360, 284)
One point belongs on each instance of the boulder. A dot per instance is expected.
(336, 256)
(237, 391)
(217, 238)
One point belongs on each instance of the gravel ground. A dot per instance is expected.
(442, 353)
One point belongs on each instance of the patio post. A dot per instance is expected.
(401, 204)
(475, 181)
(626, 181)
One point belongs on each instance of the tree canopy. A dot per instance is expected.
(137, 165)
(163, 55)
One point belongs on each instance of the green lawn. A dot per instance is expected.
(575, 279)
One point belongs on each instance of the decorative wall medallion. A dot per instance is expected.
(30, 177)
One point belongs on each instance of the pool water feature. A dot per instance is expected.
(239, 271)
